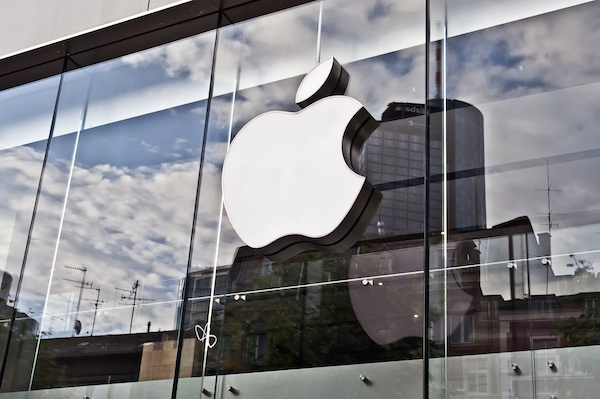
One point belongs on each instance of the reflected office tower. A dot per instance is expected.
(393, 160)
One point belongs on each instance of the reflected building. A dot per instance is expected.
(129, 357)
(393, 158)
(502, 299)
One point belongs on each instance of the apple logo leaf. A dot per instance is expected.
(326, 79)
(290, 179)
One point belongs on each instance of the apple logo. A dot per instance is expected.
(290, 180)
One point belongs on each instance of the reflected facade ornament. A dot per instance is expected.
(290, 180)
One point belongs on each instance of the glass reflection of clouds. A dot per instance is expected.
(376, 28)
(526, 77)
(26, 112)
(130, 208)
(131, 189)
(25, 119)
(142, 83)
(469, 16)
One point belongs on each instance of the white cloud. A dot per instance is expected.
(123, 225)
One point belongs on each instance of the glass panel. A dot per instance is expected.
(25, 121)
(342, 314)
(249, 54)
(526, 87)
(111, 243)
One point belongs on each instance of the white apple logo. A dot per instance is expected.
(289, 179)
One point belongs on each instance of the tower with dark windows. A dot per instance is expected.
(393, 159)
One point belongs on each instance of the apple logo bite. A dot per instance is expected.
(290, 180)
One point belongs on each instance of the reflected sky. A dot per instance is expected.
(20, 168)
(526, 57)
(25, 117)
(161, 137)
(156, 79)
(536, 83)
(128, 218)
(26, 112)
(468, 16)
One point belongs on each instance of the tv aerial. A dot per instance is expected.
(132, 297)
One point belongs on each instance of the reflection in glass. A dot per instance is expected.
(513, 204)
(111, 240)
(25, 121)
(118, 212)
(313, 309)
(247, 56)
(525, 279)
(313, 323)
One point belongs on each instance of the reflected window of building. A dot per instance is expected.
(462, 329)
(477, 376)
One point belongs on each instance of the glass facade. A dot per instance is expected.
(123, 276)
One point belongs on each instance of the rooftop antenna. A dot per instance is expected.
(50, 330)
(81, 285)
(548, 190)
(96, 302)
(132, 297)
